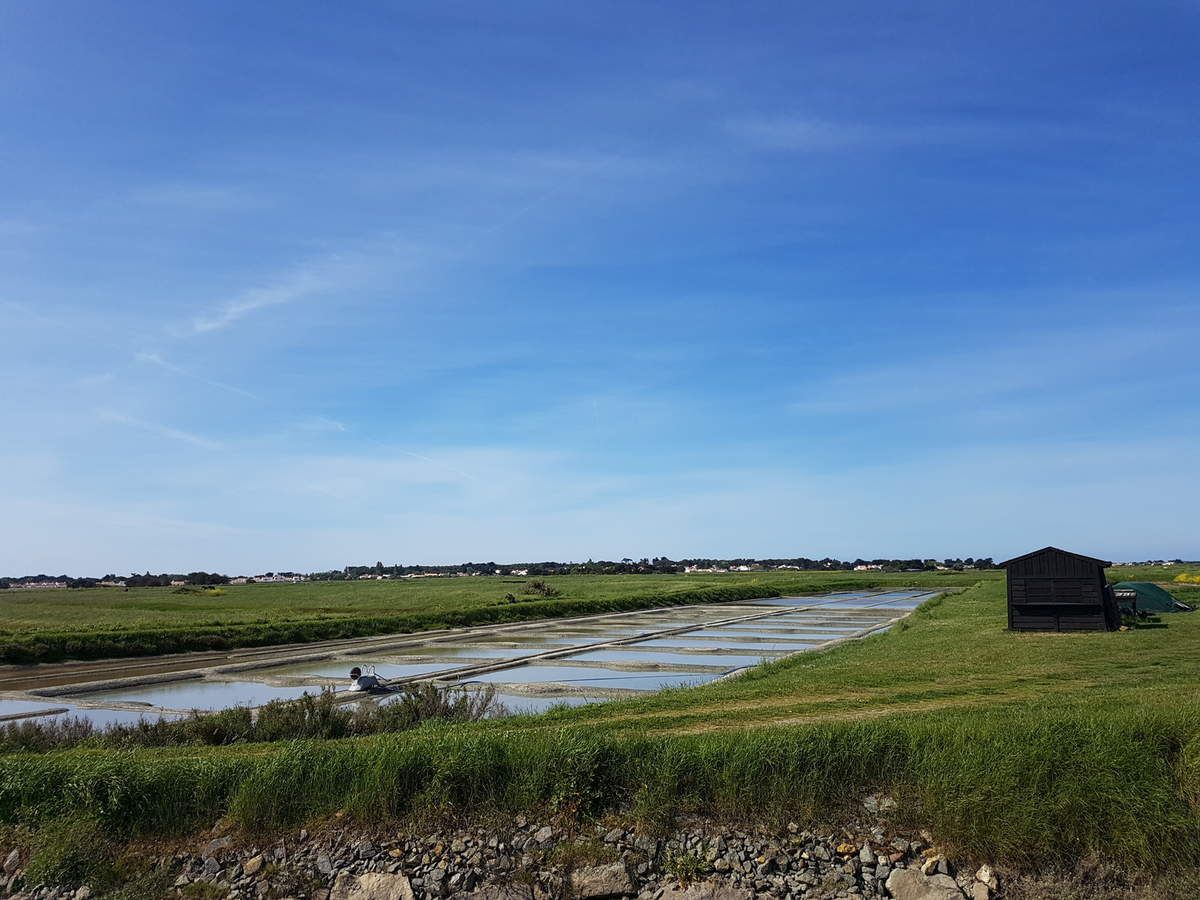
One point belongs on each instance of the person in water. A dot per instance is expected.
(365, 683)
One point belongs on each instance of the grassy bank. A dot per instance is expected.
(1019, 748)
(1013, 788)
(952, 656)
(110, 622)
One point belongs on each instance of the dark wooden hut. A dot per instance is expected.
(1055, 590)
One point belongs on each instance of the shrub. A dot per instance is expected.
(425, 701)
(227, 726)
(39, 735)
(309, 717)
(71, 851)
(685, 868)
(539, 588)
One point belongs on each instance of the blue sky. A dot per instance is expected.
(294, 286)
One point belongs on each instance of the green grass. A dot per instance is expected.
(1017, 748)
(1160, 574)
(1008, 788)
(954, 654)
(39, 626)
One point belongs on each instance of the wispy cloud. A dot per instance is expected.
(156, 359)
(302, 282)
(13, 314)
(1076, 360)
(198, 198)
(97, 379)
(793, 132)
(321, 423)
(165, 431)
(390, 474)
(19, 228)
(530, 172)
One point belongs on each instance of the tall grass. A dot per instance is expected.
(308, 717)
(1013, 788)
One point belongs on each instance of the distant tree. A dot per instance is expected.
(206, 578)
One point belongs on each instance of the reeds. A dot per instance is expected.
(1019, 788)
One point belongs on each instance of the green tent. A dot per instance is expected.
(1150, 597)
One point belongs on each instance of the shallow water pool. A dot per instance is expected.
(724, 660)
(200, 694)
(341, 669)
(26, 707)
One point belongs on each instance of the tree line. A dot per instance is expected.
(164, 579)
(660, 565)
(648, 566)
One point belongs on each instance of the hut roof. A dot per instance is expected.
(1091, 559)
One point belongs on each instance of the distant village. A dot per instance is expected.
(644, 566)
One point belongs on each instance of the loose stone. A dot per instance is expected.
(910, 884)
(372, 886)
(600, 882)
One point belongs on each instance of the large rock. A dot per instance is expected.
(12, 862)
(599, 882)
(501, 892)
(253, 865)
(708, 890)
(987, 875)
(909, 884)
(372, 886)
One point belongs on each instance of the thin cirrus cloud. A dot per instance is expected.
(199, 198)
(321, 424)
(798, 132)
(367, 261)
(794, 132)
(541, 177)
(156, 359)
(301, 283)
(165, 431)
(1107, 356)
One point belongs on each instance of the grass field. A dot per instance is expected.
(953, 654)
(101, 622)
(1019, 748)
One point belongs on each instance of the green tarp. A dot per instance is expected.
(1150, 597)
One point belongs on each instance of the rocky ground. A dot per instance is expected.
(525, 860)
